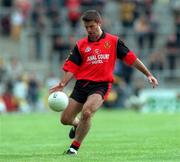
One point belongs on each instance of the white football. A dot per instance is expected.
(58, 101)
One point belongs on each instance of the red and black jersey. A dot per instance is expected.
(95, 61)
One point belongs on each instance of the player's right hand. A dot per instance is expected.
(58, 87)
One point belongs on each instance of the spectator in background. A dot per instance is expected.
(7, 3)
(20, 91)
(148, 7)
(24, 6)
(60, 47)
(172, 52)
(99, 5)
(5, 25)
(33, 91)
(175, 6)
(3, 70)
(54, 16)
(141, 28)
(9, 99)
(39, 24)
(151, 35)
(127, 10)
(177, 27)
(74, 11)
(3, 73)
(14, 68)
(157, 61)
(143, 7)
(87, 4)
(56, 23)
(17, 21)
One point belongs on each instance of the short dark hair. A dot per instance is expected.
(91, 15)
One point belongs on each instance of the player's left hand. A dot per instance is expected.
(153, 81)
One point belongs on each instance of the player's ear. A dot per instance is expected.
(99, 23)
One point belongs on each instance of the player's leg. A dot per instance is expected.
(76, 100)
(92, 104)
(92, 95)
(69, 115)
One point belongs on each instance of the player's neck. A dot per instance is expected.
(97, 37)
(100, 34)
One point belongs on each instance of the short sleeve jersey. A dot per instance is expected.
(95, 61)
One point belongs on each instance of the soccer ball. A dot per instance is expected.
(58, 101)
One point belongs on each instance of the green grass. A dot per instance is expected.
(116, 136)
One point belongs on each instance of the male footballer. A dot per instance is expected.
(91, 63)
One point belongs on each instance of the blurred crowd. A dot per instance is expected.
(23, 91)
(130, 19)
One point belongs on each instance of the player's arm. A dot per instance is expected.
(131, 59)
(141, 67)
(124, 54)
(64, 81)
(73, 62)
(70, 67)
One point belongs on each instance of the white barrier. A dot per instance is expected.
(160, 100)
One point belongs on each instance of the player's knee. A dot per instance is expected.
(65, 120)
(86, 115)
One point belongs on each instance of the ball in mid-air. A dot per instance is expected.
(58, 101)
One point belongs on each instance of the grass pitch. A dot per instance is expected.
(116, 136)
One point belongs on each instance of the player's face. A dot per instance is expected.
(93, 29)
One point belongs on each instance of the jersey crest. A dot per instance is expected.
(107, 44)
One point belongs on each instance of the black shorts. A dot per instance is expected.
(84, 88)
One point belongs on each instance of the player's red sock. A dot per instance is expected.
(75, 145)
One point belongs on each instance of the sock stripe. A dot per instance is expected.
(76, 143)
